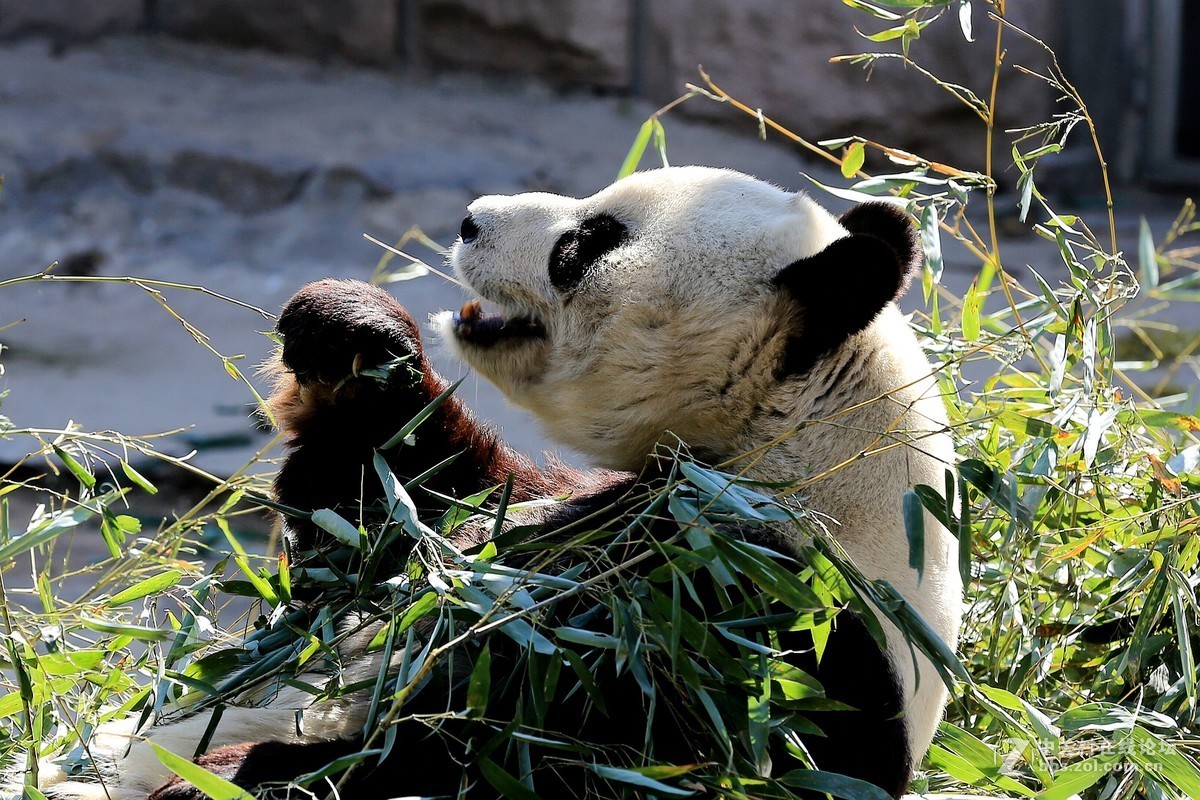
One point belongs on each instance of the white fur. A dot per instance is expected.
(131, 766)
(646, 348)
(129, 769)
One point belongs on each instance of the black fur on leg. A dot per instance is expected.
(336, 409)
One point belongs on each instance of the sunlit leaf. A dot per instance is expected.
(1147, 257)
(853, 159)
(212, 785)
(155, 585)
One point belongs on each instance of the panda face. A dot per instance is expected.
(654, 305)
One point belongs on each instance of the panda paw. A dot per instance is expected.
(337, 330)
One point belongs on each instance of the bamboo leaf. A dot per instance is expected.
(914, 528)
(972, 305)
(45, 530)
(422, 415)
(637, 150)
(833, 784)
(212, 785)
(964, 19)
(853, 159)
(642, 781)
(1147, 257)
(337, 526)
(479, 688)
(76, 469)
(931, 243)
(506, 784)
(155, 585)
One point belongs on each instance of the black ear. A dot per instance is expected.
(841, 289)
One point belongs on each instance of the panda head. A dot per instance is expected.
(672, 300)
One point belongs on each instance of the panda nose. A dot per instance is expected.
(468, 231)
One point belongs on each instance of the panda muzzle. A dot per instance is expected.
(473, 324)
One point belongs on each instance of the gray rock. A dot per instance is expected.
(568, 42)
(69, 20)
(360, 30)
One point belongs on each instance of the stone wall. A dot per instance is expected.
(69, 20)
(360, 30)
(771, 54)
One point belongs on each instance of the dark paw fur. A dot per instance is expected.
(335, 329)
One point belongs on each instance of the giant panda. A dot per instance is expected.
(685, 304)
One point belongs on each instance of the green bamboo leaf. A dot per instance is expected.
(1109, 717)
(261, 585)
(974, 757)
(479, 689)
(634, 156)
(77, 469)
(111, 532)
(155, 585)
(873, 10)
(506, 784)
(638, 779)
(1147, 256)
(45, 530)
(285, 578)
(853, 160)
(401, 507)
(71, 662)
(888, 34)
(660, 141)
(337, 526)
(138, 632)
(1074, 778)
(998, 487)
(338, 765)
(1158, 756)
(214, 786)
(512, 626)
(586, 637)
(931, 243)
(138, 478)
(914, 528)
(972, 305)
(768, 574)
(854, 196)
(1025, 186)
(1045, 728)
(833, 784)
(422, 415)
(720, 490)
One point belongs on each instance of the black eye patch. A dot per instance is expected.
(578, 250)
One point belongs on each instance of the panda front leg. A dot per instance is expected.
(351, 372)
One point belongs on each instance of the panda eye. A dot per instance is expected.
(578, 250)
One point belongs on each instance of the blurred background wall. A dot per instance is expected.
(247, 145)
(1130, 57)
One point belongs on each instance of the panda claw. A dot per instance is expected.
(471, 311)
(357, 365)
